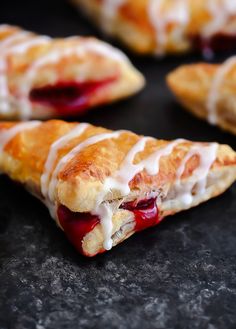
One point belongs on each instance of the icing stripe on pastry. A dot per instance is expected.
(16, 43)
(17, 101)
(5, 49)
(160, 20)
(120, 181)
(53, 152)
(153, 178)
(54, 57)
(69, 156)
(166, 26)
(212, 98)
(183, 191)
(6, 136)
(128, 170)
(220, 12)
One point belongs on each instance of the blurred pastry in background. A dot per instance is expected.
(102, 186)
(208, 91)
(41, 77)
(166, 26)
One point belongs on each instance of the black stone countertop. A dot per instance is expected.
(181, 274)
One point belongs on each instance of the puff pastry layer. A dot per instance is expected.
(41, 77)
(165, 26)
(103, 186)
(208, 91)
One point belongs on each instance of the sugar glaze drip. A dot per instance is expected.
(8, 134)
(120, 180)
(53, 153)
(220, 12)
(179, 14)
(21, 41)
(122, 177)
(49, 178)
(55, 55)
(18, 42)
(183, 191)
(211, 103)
(127, 171)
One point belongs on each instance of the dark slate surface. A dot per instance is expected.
(181, 274)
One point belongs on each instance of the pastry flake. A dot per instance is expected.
(102, 186)
(208, 91)
(41, 77)
(165, 26)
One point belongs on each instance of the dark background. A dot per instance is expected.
(181, 274)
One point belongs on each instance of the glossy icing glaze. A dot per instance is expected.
(78, 225)
(7, 135)
(128, 169)
(211, 103)
(20, 42)
(160, 18)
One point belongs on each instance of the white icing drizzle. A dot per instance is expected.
(212, 98)
(49, 184)
(120, 181)
(55, 56)
(23, 47)
(183, 190)
(5, 44)
(69, 156)
(127, 171)
(21, 41)
(18, 42)
(53, 152)
(178, 13)
(8, 134)
(220, 12)
(13, 38)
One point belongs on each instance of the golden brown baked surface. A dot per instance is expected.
(208, 91)
(44, 77)
(171, 175)
(159, 27)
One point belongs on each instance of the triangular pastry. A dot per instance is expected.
(166, 26)
(208, 91)
(102, 186)
(41, 77)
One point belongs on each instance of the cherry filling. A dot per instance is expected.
(68, 97)
(219, 42)
(145, 213)
(77, 225)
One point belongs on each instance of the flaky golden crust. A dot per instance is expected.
(191, 84)
(184, 21)
(82, 178)
(31, 62)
